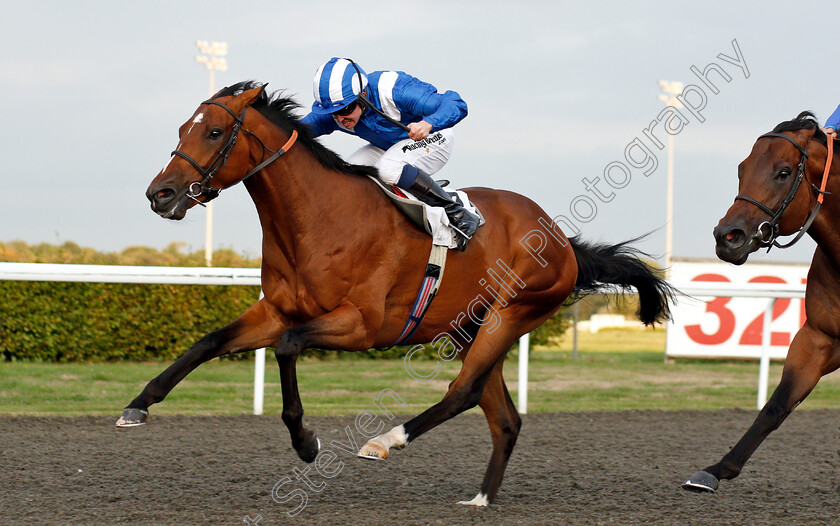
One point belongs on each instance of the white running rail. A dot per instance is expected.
(251, 276)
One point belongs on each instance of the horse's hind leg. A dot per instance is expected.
(811, 356)
(464, 392)
(504, 422)
(254, 329)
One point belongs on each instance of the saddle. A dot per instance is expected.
(429, 219)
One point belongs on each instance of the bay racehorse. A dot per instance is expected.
(341, 267)
(783, 184)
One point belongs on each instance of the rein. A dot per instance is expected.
(203, 188)
(368, 104)
(768, 231)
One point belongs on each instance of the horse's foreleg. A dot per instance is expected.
(304, 441)
(504, 422)
(811, 356)
(252, 330)
(342, 328)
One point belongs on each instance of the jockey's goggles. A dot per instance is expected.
(347, 110)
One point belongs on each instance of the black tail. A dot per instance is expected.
(622, 266)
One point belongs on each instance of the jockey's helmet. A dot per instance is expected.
(337, 83)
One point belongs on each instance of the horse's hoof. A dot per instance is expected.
(373, 451)
(310, 449)
(479, 500)
(701, 482)
(132, 417)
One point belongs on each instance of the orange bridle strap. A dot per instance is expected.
(293, 138)
(829, 140)
(275, 156)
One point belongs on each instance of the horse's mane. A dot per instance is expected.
(280, 110)
(806, 121)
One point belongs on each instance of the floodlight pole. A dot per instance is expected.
(212, 59)
(669, 97)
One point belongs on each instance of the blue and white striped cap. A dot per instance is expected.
(337, 83)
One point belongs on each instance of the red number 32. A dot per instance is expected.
(718, 307)
(726, 318)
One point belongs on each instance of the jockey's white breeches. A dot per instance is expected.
(428, 155)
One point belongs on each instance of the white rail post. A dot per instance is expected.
(259, 380)
(524, 342)
(259, 377)
(764, 364)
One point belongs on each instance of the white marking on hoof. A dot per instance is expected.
(378, 447)
(478, 500)
(373, 451)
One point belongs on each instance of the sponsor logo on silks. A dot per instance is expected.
(437, 137)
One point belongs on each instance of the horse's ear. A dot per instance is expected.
(249, 96)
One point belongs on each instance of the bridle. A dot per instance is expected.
(203, 188)
(767, 232)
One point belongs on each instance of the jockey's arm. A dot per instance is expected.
(439, 110)
(418, 131)
(832, 124)
(319, 124)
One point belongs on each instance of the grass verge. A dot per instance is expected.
(614, 370)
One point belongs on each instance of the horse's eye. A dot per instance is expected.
(783, 174)
(214, 134)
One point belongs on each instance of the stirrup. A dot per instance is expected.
(461, 239)
(461, 232)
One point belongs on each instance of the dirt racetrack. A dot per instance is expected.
(576, 468)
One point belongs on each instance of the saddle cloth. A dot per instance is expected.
(430, 219)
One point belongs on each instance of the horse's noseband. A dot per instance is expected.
(767, 232)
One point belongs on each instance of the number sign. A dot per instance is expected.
(723, 327)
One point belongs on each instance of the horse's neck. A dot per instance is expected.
(826, 228)
(304, 207)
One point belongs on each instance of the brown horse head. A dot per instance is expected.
(207, 158)
(776, 191)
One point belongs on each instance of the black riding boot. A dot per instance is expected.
(428, 191)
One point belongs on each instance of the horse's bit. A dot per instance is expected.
(203, 188)
(768, 231)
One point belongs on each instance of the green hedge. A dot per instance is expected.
(97, 321)
(64, 322)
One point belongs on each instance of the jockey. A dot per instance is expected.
(832, 124)
(407, 123)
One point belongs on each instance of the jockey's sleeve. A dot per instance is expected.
(320, 124)
(450, 109)
(419, 98)
(833, 122)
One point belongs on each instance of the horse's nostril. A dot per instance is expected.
(732, 237)
(735, 238)
(163, 195)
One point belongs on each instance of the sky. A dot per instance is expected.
(94, 92)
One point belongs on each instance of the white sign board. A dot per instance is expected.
(722, 327)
